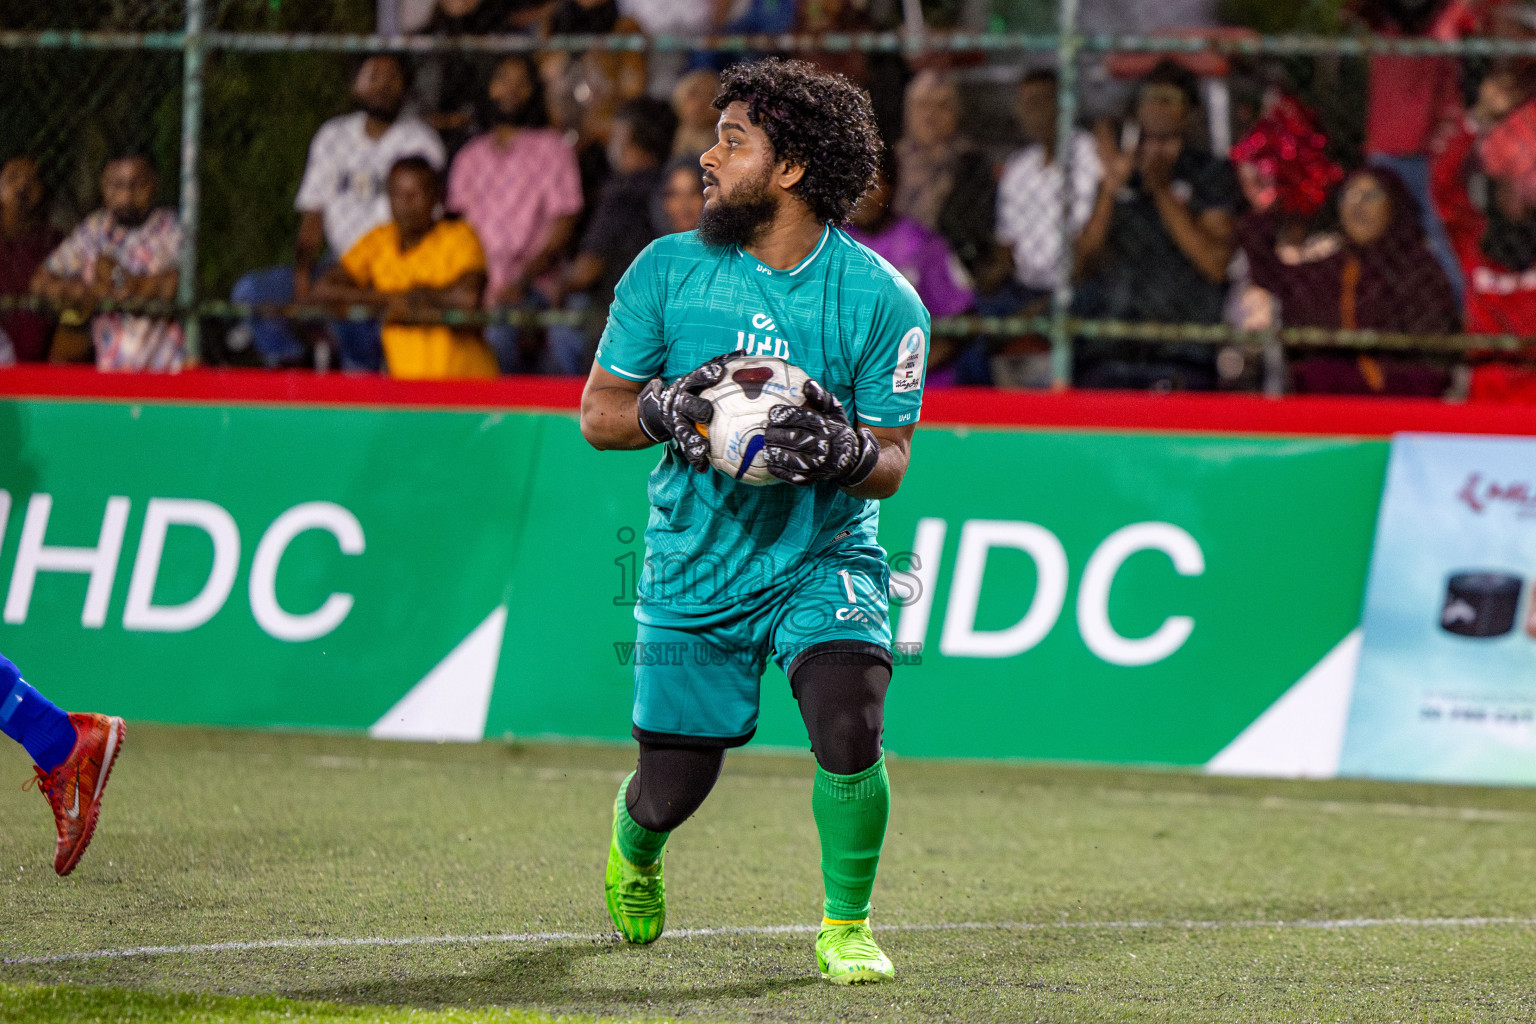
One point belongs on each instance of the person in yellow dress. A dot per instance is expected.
(416, 265)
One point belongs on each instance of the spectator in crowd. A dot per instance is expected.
(417, 265)
(519, 188)
(341, 198)
(1157, 244)
(946, 183)
(26, 239)
(1283, 165)
(128, 250)
(1376, 273)
(448, 88)
(1411, 100)
(584, 89)
(1021, 270)
(922, 257)
(925, 260)
(1287, 178)
(681, 199)
(1495, 237)
(609, 77)
(693, 101)
(1030, 192)
(620, 227)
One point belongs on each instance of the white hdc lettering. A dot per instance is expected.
(140, 611)
(978, 537)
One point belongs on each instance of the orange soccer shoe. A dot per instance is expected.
(74, 788)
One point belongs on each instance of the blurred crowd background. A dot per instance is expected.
(460, 199)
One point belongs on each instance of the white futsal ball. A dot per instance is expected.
(752, 385)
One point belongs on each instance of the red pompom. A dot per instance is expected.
(1286, 150)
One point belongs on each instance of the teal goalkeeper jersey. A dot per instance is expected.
(844, 316)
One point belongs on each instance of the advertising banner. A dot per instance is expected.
(1446, 684)
(441, 574)
(1121, 597)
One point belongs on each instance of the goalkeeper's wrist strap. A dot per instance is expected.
(869, 458)
(648, 411)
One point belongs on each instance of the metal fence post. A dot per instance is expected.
(191, 138)
(1067, 45)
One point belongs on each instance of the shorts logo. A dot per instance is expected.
(909, 362)
(850, 612)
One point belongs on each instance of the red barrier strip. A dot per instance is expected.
(1078, 410)
(289, 387)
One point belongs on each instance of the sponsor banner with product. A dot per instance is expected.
(437, 574)
(1445, 689)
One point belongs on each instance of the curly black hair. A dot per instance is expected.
(813, 120)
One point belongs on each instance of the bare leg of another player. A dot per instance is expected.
(72, 756)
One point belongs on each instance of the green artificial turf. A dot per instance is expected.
(63, 1004)
(1079, 894)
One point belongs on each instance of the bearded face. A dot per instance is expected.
(379, 88)
(740, 216)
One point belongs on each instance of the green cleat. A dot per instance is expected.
(847, 954)
(637, 899)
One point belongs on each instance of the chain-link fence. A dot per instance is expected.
(1201, 208)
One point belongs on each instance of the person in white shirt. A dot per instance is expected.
(1019, 273)
(1029, 193)
(340, 199)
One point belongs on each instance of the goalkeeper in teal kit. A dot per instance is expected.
(736, 574)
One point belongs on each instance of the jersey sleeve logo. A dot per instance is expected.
(909, 362)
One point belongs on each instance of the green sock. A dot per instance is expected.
(850, 812)
(639, 845)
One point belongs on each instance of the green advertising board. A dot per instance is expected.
(452, 574)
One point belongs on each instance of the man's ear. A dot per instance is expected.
(789, 175)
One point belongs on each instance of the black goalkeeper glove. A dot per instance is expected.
(815, 441)
(673, 412)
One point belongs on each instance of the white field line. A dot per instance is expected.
(526, 938)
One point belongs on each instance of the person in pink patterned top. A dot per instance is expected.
(125, 251)
(518, 186)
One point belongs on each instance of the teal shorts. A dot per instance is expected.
(697, 676)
